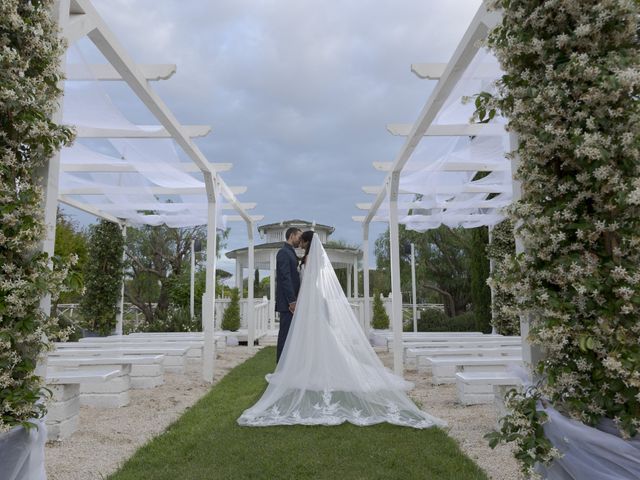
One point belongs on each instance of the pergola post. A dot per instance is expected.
(396, 294)
(365, 275)
(348, 281)
(192, 282)
(272, 290)
(50, 171)
(208, 307)
(251, 324)
(531, 354)
(413, 288)
(120, 314)
(491, 265)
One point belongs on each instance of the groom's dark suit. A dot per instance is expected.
(287, 287)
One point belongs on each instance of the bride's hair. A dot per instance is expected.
(307, 237)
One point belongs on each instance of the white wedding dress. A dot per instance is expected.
(328, 373)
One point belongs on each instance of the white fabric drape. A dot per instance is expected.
(22, 453)
(328, 373)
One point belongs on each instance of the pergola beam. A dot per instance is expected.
(158, 206)
(137, 190)
(240, 218)
(448, 205)
(122, 167)
(106, 72)
(464, 129)
(191, 131)
(428, 71)
(78, 26)
(450, 167)
(91, 209)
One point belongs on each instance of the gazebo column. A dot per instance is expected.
(348, 281)
(272, 290)
(208, 306)
(365, 275)
(251, 324)
(396, 294)
(120, 314)
(355, 277)
(239, 282)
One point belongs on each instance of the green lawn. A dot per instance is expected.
(206, 443)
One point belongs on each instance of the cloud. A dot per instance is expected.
(298, 92)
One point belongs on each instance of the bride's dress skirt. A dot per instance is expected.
(328, 373)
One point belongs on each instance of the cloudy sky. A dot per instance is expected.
(298, 92)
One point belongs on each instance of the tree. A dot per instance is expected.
(71, 240)
(102, 277)
(231, 316)
(380, 319)
(156, 257)
(442, 264)
(479, 268)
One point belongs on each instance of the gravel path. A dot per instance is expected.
(107, 437)
(466, 424)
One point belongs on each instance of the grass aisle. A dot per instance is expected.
(207, 443)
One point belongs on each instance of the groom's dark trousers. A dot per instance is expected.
(287, 287)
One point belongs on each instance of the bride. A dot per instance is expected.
(328, 373)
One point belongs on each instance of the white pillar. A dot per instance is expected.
(355, 277)
(192, 280)
(365, 276)
(272, 290)
(251, 324)
(120, 314)
(396, 294)
(349, 282)
(208, 302)
(239, 282)
(413, 287)
(49, 173)
(531, 355)
(491, 265)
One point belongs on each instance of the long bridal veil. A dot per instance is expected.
(328, 373)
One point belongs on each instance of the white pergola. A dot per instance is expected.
(447, 192)
(124, 203)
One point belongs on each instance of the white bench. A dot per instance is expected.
(414, 357)
(443, 370)
(64, 406)
(145, 371)
(195, 345)
(478, 387)
(412, 349)
(174, 357)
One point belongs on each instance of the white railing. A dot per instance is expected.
(222, 304)
(261, 317)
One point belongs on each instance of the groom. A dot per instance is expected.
(287, 284)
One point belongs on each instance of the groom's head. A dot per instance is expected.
(292, 235)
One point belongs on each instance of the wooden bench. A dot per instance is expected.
(64, 406)
(478, 387)
(145, 371)
(195, 345)
(413, 352)
(443, 370)
(173, 361)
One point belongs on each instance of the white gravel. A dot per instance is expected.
(107, 437)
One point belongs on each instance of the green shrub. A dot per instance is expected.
(176, 319)
(380, 317)
(433, 320)
(231, 317)
(103, 277)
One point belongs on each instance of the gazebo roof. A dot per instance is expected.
(276, 245)
(295, 223)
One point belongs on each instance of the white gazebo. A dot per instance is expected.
(342, 257)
